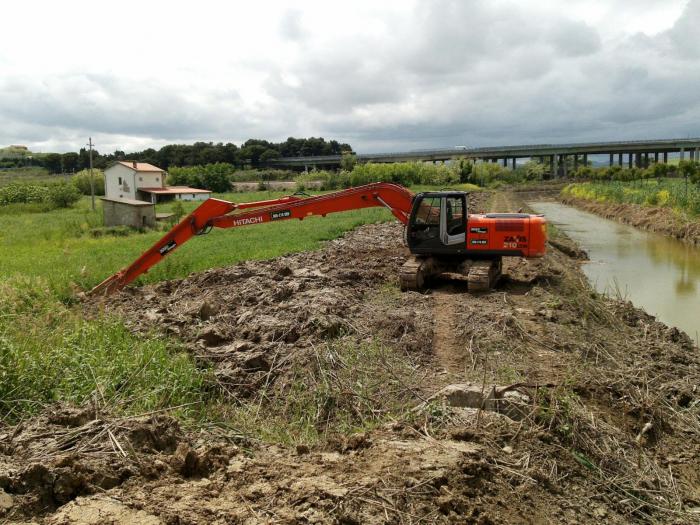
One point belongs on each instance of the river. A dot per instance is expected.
(656, 273)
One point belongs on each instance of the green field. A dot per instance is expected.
(28, 175)
(60, 246)
(674, 193)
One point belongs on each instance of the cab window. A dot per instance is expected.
(455, 215)
(429, 212)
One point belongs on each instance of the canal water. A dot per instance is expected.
(657, 273)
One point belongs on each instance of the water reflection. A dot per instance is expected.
(655, 272)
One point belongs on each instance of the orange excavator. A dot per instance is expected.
(442, 236)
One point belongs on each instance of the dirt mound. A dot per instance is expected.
(66, 453)
(255, 320)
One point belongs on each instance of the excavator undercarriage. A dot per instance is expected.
(480, 274)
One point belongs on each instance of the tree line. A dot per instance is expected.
(252, 153)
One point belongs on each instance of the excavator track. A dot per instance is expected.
(483, 275)
(480, 275)
(415, 271)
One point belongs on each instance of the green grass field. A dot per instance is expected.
(58, 246)
(28, 175)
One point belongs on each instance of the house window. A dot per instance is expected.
(120, 181)
(140, 179)
(193, 195)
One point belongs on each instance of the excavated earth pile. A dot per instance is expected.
(538, 402)
(256, 320)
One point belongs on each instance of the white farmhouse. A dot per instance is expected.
(145, 182)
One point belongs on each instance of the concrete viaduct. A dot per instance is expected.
(631, 153)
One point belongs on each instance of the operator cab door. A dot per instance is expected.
(438, 224)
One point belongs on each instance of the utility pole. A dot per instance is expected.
(92, 180)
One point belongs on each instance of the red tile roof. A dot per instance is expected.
(173, 190)
(139, 166)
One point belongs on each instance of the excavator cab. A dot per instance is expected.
(438, 223)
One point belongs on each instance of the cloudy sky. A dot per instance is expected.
(382, 75)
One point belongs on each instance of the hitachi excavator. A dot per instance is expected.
(442, 236)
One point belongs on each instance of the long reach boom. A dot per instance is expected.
(216, 213)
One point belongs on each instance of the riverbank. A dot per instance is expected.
(658, 219)
(351, 402)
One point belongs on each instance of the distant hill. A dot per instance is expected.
(15, 152)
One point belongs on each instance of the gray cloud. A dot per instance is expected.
(290, 26)
(447, 73)
(476, 74)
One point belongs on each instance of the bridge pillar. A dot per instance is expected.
(575, 162)
(612, 155)
(646, 159)
(619, 159)
(563, 165)
(682, 153)
(551, 165)
(514, 162)
(656, 157)
(638, 160)
(629, 161)
(697, 154)
(585, 159)
(505, 162)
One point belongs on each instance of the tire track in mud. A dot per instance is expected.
(446, 302)
(449, 300)
(502, 202)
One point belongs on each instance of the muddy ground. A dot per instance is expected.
(539, 402)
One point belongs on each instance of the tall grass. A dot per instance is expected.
(425, 173)
(27, 175)
(670, 192)
(50, 352)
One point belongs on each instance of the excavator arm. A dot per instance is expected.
(215, 213)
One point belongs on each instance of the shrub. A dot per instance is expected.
(19, 193)
(688, 169)
(63, 195)
(532, 170)
(214, 177)
(348, 161)
(485, 173)
(81, 180)
(178, 210)
(405, 173)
